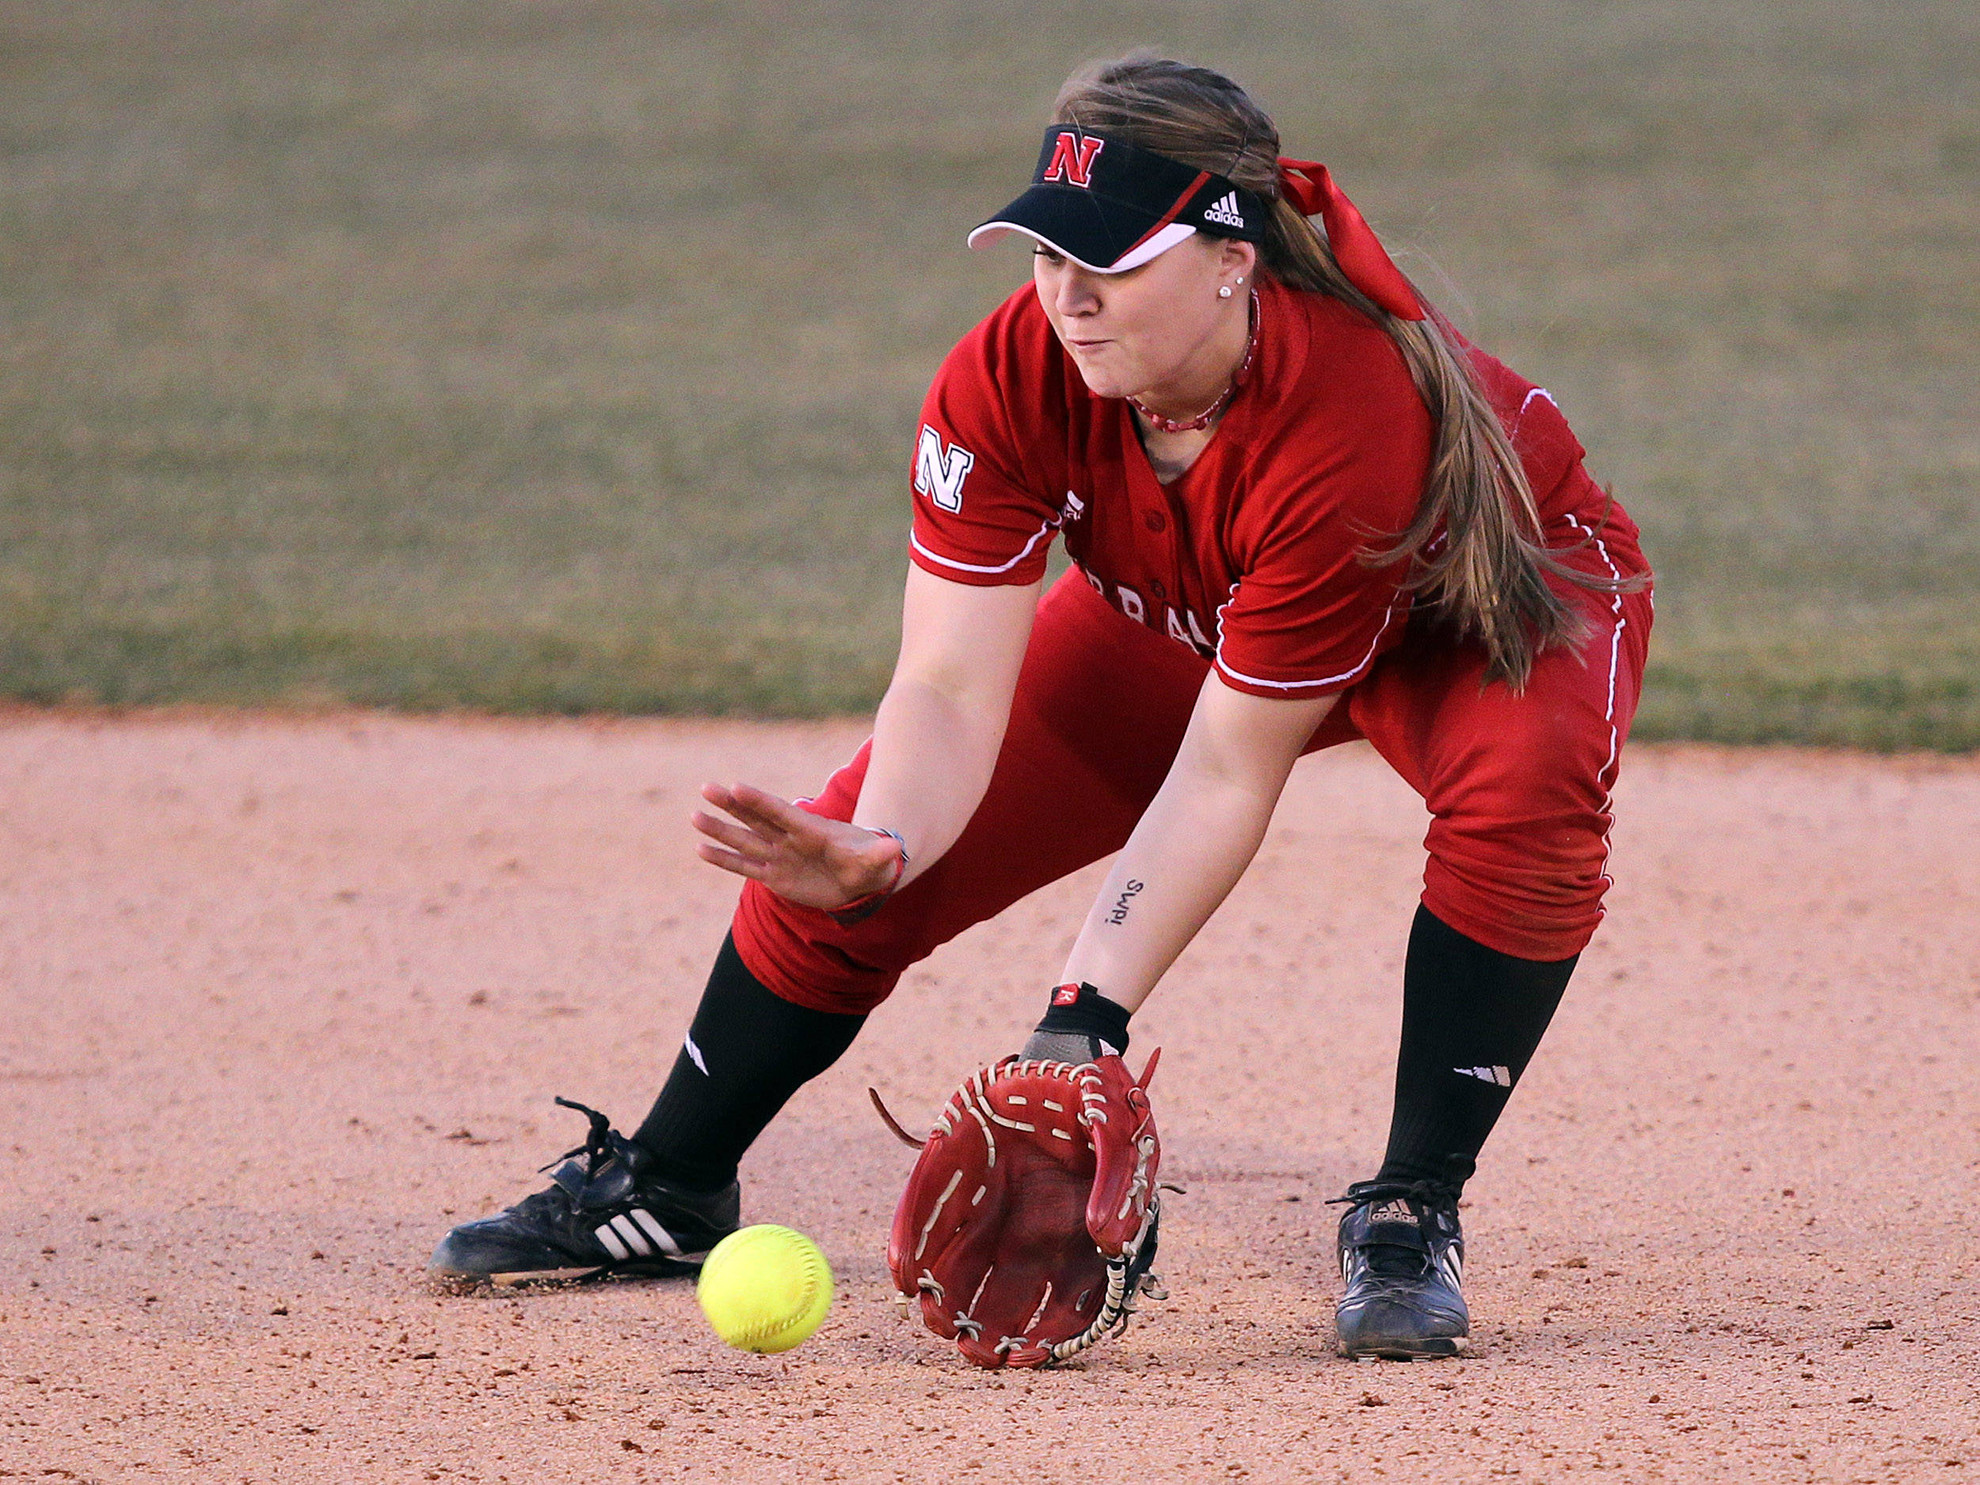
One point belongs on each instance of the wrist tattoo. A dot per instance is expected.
(1119, 913)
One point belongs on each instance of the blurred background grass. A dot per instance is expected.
(566, 356)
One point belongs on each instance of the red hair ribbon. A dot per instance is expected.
(1308, 186)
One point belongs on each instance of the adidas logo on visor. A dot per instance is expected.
(1225, 212)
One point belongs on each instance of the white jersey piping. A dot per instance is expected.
(1346, 675)
(1525, 403)
(915, 542)
(1609, 714)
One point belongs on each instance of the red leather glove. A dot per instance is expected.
(1029, 1221)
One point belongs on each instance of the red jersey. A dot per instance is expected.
(1255, 557)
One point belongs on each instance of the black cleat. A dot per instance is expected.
(605, 1216)
(1402, 1261)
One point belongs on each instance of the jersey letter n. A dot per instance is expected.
(939, 472)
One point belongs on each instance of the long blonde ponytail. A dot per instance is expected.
(1487, 577)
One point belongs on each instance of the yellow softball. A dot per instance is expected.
(765, 1288)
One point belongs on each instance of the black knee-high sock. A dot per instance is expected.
(1472, 1018)
(746, 1053)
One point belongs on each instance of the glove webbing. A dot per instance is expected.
(1124, 1273)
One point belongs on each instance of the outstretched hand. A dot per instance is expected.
(804, 857)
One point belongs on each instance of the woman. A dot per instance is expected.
(1302, 510)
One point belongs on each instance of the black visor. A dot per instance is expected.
(1110, 207)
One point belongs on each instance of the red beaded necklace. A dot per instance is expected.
(1203, 419)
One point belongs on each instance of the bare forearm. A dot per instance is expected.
(1194, 840)
(931, 762)
(1191, 846)
(935, 742)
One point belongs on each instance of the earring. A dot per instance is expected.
(1240, 278)
(1224, 291)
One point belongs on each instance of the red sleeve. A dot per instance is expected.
(1547, 448)
(1308, 614)
(1311, 616)
(981, 512)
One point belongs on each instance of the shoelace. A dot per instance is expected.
(1428, 1193)
(1395, 1260)
(597, 1140)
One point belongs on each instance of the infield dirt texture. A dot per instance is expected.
(564, 356)
(283, 1000)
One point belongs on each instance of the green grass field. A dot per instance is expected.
(559, 356)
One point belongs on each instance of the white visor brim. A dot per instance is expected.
(1156, 244)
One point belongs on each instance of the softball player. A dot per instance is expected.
(1301, 510)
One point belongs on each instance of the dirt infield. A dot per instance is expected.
(286, 998)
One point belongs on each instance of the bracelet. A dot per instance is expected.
(862, 908)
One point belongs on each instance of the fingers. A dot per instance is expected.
(742, 866)
(740, 840)
(761, 809)
(805, 857)
(773, 874)
(771, 818)
(717, 795)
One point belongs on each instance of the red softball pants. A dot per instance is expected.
(1517, 787)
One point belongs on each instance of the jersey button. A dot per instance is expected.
(1155, 521)
(1160, 591)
